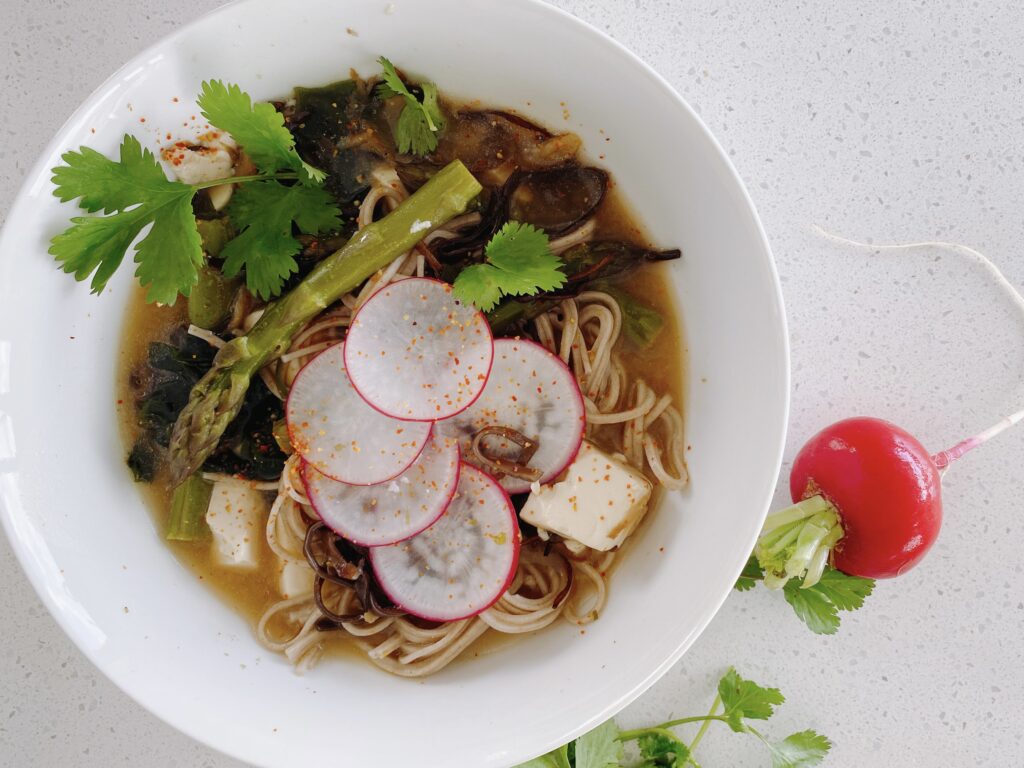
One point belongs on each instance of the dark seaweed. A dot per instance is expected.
(142, 461)
(171, 370)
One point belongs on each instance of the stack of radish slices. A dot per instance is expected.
(386, 422)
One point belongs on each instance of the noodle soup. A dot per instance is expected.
(261, 542)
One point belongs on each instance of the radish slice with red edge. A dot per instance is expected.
(374, 515)
(332, 429)
(415, 352)
(460, 565)
(533, 392)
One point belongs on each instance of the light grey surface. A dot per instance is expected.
(891, 121)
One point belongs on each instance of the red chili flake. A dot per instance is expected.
(142, 119)
(175, 99)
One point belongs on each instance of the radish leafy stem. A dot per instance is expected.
(817, 605)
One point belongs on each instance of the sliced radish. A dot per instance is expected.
(372, 515)
(533, 392)
(415, 352)
(340, 435)
(461, 564)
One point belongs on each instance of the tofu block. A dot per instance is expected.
(237, 517)
(599, 501)
(296, 578)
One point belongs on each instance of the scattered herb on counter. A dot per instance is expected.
(420, 120)
(738, 701)
(519, 263)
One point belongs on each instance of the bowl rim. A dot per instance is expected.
(22, 197)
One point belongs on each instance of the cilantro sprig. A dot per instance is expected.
(421, 120)
(738, 701)
(519, 263)
(818, 605)
(133, 193)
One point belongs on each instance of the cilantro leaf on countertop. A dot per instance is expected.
(661, 747)
(557, 758)
(745, 699)
(799, 750)
(420, 121)
(263, 212)
(258, 127)
(599, 748)
(134, 192)
(519, 263)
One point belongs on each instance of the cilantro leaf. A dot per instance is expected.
(818, 606)
(745, 699)
(751, 574)
(519, 263)
(813, 607)
(259, 128)
(264, 212)
(599, 748)
(799, 750)
(846, 592)
(135, 193)
(480, 285)
(420, 121)
(558, 758)
(661, 747)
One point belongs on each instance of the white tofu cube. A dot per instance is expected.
(208, 158)
(296, 578)
(237, 518)
(599, 501)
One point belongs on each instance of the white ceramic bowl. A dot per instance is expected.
(90, 549)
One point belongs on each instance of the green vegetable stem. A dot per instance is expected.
(216, 398)
(188, 509)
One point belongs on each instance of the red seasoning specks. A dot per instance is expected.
(461, 564)
(392, 511)
(552, 414)
(350, 442)
(414, 352)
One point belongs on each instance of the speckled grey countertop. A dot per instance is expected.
(879, 120)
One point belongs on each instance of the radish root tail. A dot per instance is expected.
(944, 458)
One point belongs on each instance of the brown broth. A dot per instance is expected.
(251, 592)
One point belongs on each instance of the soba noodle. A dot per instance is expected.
(555, 579)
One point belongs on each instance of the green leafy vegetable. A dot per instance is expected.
(135, 193)
(799, 750)
(640, 321)
(599, 748)
(746, 700)
(661, 747)
(420, 121)
(263, 211)
(738, 701)
(519, 263)
(792, 554)
(258, 127)
(818, 606)
(558, 758)
(751, 574)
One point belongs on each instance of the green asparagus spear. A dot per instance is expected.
(217, 397)
(188, 509)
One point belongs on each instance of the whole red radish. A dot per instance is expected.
(868, 502)
(885, 487)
